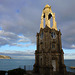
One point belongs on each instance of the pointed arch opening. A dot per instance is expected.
(49, 16)
(44, 19)
(50, 19)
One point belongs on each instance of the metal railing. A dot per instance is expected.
(26, 67)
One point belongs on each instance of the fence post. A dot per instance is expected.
(25, 67)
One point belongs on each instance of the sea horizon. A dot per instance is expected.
(9, 64)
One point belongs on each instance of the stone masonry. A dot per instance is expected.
(49, 56)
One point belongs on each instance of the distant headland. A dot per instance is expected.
(4, 57)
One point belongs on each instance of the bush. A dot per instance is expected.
(18, 71)
(2, 72)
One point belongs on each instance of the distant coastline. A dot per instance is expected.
(4, 57)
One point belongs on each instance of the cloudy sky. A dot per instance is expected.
(20, 21)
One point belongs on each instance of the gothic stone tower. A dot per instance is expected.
(49, 54)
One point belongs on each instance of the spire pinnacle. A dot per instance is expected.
(47, 14)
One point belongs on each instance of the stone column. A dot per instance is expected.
(41, 25)
(46, 19)
(47, 22)
(54, 22)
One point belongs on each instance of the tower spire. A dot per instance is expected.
(47, 14)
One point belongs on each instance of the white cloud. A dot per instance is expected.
(12, 39)
(73, 46)
(23, 17)
(69, 56)
(29, 54)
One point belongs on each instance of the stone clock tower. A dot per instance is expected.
(49, 56)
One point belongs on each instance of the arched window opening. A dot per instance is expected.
(44, 22)
(41, 36)
(53, 35)
(50, 18)
(53, 46)
(44, 15)
(44, 19)
(54, 65)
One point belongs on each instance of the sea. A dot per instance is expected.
(27, 64)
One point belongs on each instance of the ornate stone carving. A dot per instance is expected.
(49, 54)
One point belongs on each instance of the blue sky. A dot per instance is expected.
(20, 21)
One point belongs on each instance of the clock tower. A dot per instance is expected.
(49, 56)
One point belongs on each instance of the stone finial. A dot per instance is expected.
(46, 12)
(47, 6)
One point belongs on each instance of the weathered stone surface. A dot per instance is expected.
(47, 14)
(49, 56)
